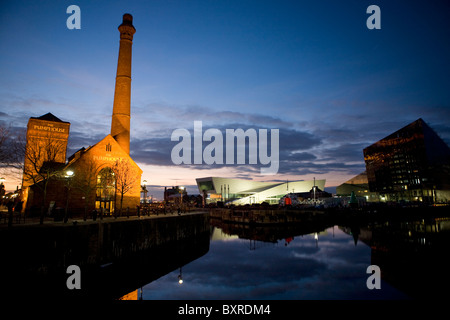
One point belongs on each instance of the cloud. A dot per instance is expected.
(307, 168)
(330, 144)
(175, 116)
(300, 152)
(347, 152)
(157, 150)
(204, 277)
(78, 140)
(153, 150)
(300, 156)
(331, 267)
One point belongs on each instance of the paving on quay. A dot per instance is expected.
(48, 221)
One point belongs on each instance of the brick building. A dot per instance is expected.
(102, 176)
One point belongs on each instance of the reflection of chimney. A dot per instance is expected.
(120, 124)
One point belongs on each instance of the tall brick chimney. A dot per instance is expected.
(120, 124)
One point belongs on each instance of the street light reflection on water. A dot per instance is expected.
(321, 265)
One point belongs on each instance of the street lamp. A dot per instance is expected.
(69, 174)
(314, 190)
(2, 187)
(180, 277)
(181, 189)
(144, 189)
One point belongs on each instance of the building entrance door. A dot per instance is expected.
(106, 186)
(106, 205)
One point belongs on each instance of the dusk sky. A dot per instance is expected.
(311, 69)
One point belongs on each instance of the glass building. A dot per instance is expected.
(411, 164)
(242, 192)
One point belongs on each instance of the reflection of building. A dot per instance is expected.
(413, 163)
(241, 192)
(415, 249)
(269, 233)
(133, 295)
(104, 175)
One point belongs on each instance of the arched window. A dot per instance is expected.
(106, 187)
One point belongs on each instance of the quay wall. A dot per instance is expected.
(339, 215)
(46, 248)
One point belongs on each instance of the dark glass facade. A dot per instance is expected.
(410, 164)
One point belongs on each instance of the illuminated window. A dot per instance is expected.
(106, 187)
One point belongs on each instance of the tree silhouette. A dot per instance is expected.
(44, 162)
(85, 180)
(126, 178)
(12, 148)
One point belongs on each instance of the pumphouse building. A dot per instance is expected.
(102, 176)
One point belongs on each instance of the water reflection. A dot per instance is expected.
(413, 255)
(286, 263)
(122, 279)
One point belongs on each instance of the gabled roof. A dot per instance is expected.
(118, 152)
(49, 117)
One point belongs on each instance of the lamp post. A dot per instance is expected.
(180, 209)
(69, 174)
(180, 277)
(9, 204)
(2, 188)
(181, 189)
(145, 191)
(314, 190)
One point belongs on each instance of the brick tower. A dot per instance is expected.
(47, 138)
(120, 124)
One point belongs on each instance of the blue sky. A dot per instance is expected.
(309, 68)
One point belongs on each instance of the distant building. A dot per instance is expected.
(411, 164)
(174, 194)
(241, 192)
(314, 193)
(314, 197)
(359, 184)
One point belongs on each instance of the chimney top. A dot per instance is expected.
(127, 25)
(127, 19)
